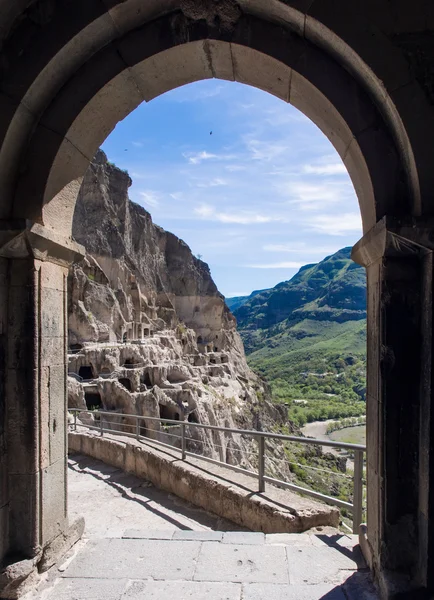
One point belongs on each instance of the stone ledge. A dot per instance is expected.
(230, 495)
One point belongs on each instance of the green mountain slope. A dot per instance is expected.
(307, 337)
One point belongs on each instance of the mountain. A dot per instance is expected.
(307, 336)
(237, 301)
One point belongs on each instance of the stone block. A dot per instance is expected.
(91, 589)
(111, 104)
(241, 563)
(4, 531)
(293, 539)
(52, 276)
(69, 165)
(52, 311)
(136, 559)
(52, 351)
(220, 56)
(261, 71)
(193, 590)
(16, 122)
(24, 512)
(172, 68)
(148, 535)
(202, 536)
(56, 420)
(329, 564)
(259, 591)
(243, 537)
(53, 508)
(61, 544)
(129, 15)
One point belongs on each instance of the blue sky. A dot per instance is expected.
(263, 195)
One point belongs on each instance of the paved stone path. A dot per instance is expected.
(158, 547)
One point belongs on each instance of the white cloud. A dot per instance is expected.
(207, 212)
(336, 224)
(278, 265)
(216, 182)
(150, 198)
(299, 248)
(198, 157)
(335, 168)
(234, 168)
(311, 196)
(138, 144)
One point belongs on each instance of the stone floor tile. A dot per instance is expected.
(143, 534)
(241, 563)
(315, 565)
(191, 590)
(87, 589)
(359, 586)
(268, 591)
(136, 559)
(202, 536)
(345, 540)
(243, 537)
(293, 539)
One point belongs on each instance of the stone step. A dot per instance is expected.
(215, 565)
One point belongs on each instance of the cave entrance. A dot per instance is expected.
(93, 400)
(146, 380)
(168, 412)
(192, 417)
(126, 383)
(86, 372)
(75, 348)
(128, 364)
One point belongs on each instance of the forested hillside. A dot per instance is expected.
(307, 338)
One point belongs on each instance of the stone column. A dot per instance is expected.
(34, 270)
(400, 469)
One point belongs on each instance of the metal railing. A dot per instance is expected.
(356, 507)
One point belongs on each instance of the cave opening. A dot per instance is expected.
(93, 400)
(167, 412)
(75, 348)
(192, 417)
(147, 380)
(86, 372)
(126, 383)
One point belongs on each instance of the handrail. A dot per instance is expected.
(356, 507)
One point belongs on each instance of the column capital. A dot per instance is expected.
(394, 237)
(22, 239)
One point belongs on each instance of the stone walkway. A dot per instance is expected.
(143, 544)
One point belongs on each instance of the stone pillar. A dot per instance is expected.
(34, 271)
(400, 432)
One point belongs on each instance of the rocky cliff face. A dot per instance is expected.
(149, 332)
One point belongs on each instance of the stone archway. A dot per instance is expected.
(348, 68)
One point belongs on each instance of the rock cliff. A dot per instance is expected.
(149, 332)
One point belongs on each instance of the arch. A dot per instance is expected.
(307, 65)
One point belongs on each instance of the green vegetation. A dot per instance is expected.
(307, 338)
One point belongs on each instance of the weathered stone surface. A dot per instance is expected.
(259, 591)
(135, 559)
(193, 590)
(247, 563)
(61, 544)
(231, 496)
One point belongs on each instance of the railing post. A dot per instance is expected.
(137, 428)
(358, 490)
(183, 440)
(261, 463)
(101, 426)
(75, 420)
